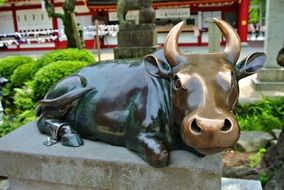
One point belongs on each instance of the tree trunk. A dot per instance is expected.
(71, 31)
(70, 25)
(69, 22)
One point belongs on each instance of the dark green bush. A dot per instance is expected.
(263, 115)
(22, 74)
(50, 74)
(10, 63)
(63, 55)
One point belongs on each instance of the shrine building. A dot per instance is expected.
(25, 24)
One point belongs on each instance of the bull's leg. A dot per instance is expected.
(59, 131)
(152, 147)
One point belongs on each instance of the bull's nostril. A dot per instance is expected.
(195, 128)
(227, 126)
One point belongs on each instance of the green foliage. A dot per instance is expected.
(23, 98)
(10, 63)
(23, 109)
(63, 55)
(253, 15)
(255, 158)
(22, 74)
(50, 74)
(2, 2)
(254, 10)
(263, 115)
(10, 124)
(263, 177)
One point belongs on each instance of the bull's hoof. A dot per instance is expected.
(157, 160)
(157, 154)
(71, 139)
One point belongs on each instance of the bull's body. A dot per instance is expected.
(120, 103)
(152, 104)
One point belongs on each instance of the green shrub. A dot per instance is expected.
(50, 74)
(10, 124)
(10, 63)
(254, 159)
(22, 74)
(23, 98)
(263, 177)
(63, 55)
(263, 115)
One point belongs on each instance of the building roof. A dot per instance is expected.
(111, 4)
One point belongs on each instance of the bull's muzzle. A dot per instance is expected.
(209, 136)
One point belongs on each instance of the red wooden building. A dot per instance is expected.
(29, 19)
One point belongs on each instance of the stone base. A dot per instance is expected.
(30, 165)
(240, 184)
(133, 52)
(137, 35)
(269, 79)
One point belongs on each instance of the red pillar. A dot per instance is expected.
(243, 19)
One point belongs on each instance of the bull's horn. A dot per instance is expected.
(233, 45)
(171, 49)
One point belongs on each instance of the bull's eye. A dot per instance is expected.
(176, 83)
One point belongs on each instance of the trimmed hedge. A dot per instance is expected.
(63, 55)
(10, 63)
(50, 74)
(22, 74)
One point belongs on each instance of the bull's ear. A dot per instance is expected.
(250, 65)
(156, 67)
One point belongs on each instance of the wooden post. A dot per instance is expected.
(98, 40)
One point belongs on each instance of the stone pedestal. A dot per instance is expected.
(272, 76)
(30, 165)
(135, 41)
(269, 79)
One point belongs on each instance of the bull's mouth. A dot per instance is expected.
(209, 151)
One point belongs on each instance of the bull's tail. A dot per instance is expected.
(61, 101)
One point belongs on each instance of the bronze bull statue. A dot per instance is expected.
(166, 101)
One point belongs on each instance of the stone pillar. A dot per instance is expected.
(214, 37)
(271, 77)
(135, 40)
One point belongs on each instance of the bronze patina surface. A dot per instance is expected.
(166, 101)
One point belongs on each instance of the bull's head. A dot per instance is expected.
(204, 88)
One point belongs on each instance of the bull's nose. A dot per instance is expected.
(203, 133)
(205, 126)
